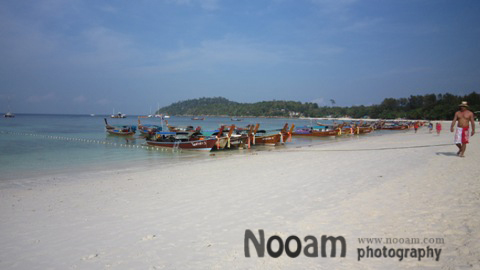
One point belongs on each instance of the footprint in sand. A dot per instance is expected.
(89, 257)
(148, 237)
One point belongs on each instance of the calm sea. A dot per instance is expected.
(35, 145)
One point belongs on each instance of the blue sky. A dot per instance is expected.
(83, 56)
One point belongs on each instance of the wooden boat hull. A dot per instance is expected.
(235, 143)
(317, 133)
(120, 133)
(202, 145)
(365, 130)
(272, 140)
(148, 130)
(393, 128)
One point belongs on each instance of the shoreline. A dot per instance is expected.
(194, 214)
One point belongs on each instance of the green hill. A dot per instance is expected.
(223, 106)
(430, 106)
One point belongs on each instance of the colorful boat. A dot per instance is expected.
(146, 129)
(190, 129)
(317, 131)
(182, 140)
(261, 137)
(391, 126)
(231, 138)
(119, 130)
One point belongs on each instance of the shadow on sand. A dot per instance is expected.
(451, 154)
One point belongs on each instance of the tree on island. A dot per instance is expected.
(429, 107)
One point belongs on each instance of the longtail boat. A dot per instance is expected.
(230, 138)
(318, 131)
(119, 130)
(198, 118)
(391, 126)
(182, 140)
(260, 137)
(189, 129)
(146, 129)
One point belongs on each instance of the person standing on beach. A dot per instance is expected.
(439, 127)
(464, 117)
(415, 126)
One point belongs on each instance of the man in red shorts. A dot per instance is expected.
(464, 117)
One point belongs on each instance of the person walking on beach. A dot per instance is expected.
(430, 127)
(415, 126)
(438, 127)
(464, 117)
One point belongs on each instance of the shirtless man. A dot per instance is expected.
(464, 117)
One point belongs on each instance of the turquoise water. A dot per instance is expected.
(35, 145)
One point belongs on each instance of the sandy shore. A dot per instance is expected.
(194, 215)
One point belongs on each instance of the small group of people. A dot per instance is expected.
(438, 127)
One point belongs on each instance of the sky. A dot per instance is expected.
(95, 56)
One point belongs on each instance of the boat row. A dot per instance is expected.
(188, 137)
(233, 137)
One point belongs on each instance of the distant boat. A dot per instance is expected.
(92, 114)
(118, 115)
(162, 116)
(198, 118)
(9, 115)
(236, 119)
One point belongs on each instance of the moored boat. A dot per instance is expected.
(146, 129)
(182, 140)
(391, 126)
(231, 138)
(262, 137)
(9, 115)
(317, 131)
(124, 131)
(119, 130)
(118, 115)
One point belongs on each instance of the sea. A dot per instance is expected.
(36, 145)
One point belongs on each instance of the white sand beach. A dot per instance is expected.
(193, 215)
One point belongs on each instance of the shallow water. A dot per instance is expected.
(34, 145)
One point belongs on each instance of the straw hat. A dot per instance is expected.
(464, 104)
